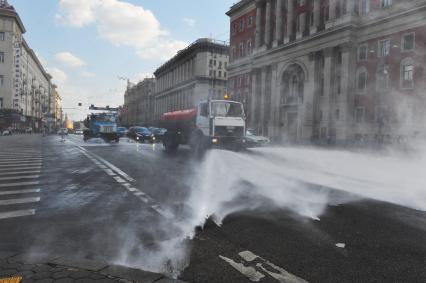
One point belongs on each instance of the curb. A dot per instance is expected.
(47, 268)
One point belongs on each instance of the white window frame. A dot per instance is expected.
(2, 36)
(380, 75)
(359, 71)
(379, 50)
(405, 62)
(403, 41)
(250, 21)
(366, 52)
(2, 57)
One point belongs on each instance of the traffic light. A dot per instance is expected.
(80, 104)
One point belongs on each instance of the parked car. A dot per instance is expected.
(254, 140)
(78, 132)
(141, 134)
(122, 131)
(63, 131)
(158, 133)
(7, 133)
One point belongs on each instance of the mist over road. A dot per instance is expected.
(275, 214)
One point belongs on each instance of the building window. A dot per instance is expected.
(1, 102)
(359, 114)
(363, 52)
(249, 46)
(364, 7)
(337, 114)
(408, 42)
(407, 73)
(2, 57)
(385, 3)
(226, 65)
(338, 84)
(220, 64)
(382, 78)
(250, 21)
(1, 80)
(320, 115)
(242, 25)
(384, 48)
(234, 29)
(2, 36)
(220, 74)
(362, 80)
(241, 49)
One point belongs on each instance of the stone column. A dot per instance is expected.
(279, 28)
(302, 22)
(316, 11)
(290, 17)
(268, 24)
(332, 10)
(259, 29)
(347, 79)
(253, 99)
(275, 103)
(328, 90)
(264, 73)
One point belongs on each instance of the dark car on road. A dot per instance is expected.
(158, 133)
(122, 131)
(141, 134)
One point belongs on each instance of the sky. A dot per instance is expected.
(86, 45)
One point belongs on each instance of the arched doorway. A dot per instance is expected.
(292, 86)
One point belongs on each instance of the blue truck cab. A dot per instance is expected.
(101, 125)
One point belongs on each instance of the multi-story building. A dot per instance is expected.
(139, 104)
(330, 70)
(25, 86)
(196, 73)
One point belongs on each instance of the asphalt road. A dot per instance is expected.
(127, 203)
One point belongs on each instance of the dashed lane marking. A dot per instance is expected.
(19, 201)
(18, 192)
(255, 268)
(17, 213)
(19, 177)
(6, 185)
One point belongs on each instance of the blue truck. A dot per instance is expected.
(101, 125)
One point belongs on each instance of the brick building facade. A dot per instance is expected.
(329, 71)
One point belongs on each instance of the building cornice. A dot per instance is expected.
(11, 13)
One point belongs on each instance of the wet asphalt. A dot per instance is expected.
(88, 211)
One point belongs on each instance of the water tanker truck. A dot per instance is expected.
(213, 123)
(101, 125)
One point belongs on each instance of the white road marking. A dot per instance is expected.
(254, 273)
(21, 168)
(341, 245)
(4, 160)
(114, 168)
(119, 179)
(22, 172)
(250, 272)
(139, 194)
(19, 201)
(6, 185)
(17, 192)
(22, 164)
(110, 172)
(17, 213)
(19, 177)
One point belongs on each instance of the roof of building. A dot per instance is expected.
(241, 4)
(9, 11)
(202, 44)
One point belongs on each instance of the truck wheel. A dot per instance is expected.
(170, 144)
(198, 143)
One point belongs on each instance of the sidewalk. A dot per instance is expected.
(45, 269)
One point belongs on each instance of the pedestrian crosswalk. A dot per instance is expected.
(20, 173)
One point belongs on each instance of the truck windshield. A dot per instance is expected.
(105, 118)
(227, 109)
